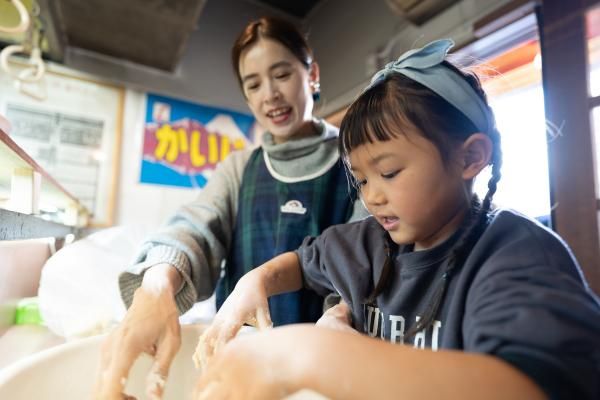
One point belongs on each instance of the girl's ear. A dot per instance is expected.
(477, 153)
(314, 74)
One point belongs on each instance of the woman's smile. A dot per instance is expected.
(280, 115)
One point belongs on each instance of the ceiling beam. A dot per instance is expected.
(53, 32)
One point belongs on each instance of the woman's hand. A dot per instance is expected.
(151, 325)
(247, 304)
(337, 317)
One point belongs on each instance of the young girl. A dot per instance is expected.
(258, 203)
(433, 268)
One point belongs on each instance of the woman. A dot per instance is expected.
(258, 203)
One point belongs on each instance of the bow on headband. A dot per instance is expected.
(425, 66)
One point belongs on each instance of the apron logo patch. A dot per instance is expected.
(293, 207)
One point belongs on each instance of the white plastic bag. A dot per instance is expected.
(78, 293)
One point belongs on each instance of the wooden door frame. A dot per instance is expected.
(571, 150)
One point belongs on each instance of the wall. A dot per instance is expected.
(345, 34)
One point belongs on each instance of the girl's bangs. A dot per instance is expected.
(369, 120)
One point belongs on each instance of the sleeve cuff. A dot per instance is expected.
(131, 279)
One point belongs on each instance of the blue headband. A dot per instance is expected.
(425, 66)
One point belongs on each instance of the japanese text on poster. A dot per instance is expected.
(183, 141)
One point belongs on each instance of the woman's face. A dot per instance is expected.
(278, 90)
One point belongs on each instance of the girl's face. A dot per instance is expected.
(407, 188)
(277, 88)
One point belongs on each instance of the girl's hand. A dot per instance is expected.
(263, 365)
(247, 304)
(337, 317)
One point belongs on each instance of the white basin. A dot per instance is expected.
(68, 371)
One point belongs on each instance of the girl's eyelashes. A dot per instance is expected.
(362, 182)
(358, 183)
(390, 175)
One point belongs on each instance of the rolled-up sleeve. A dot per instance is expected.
(314, 271)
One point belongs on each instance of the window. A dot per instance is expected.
(593, 48)
(515, 94)
(508, 62)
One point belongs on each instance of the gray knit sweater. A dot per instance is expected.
(196, 239)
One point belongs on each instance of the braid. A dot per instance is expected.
(478, 220)
(384, 278)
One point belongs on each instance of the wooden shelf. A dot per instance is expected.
(30, 196)
(16, 226)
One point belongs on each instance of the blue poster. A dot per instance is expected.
(184, 141)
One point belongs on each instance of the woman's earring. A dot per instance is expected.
(316, 86)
